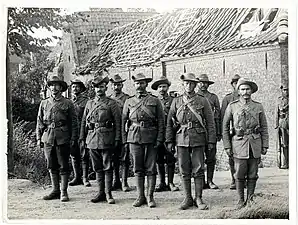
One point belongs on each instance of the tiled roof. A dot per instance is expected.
(185, 32)
(98, 23)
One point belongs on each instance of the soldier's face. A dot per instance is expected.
(76, 89)
(245, 91)
(285, 92)
(55, 89)
(117, 87)
(203, 86)
(163, 89)
(141, 86)
(189, 86)
(100, 89)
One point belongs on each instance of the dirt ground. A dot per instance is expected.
(25, 200)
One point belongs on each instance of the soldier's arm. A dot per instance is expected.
(217, 116)
(226, 128)
(117, 119)
(160, 121)
(74, 132)
(277, 115)
(224, 106)
(264, 128)
(210, 124)
(39, 124)
(125, 114)
(170, 136)
(83, 133)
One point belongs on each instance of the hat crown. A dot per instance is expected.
(116, 78)
(252, 84)
(139, 76)
(188, 76)
(55, 78)
(236, 77)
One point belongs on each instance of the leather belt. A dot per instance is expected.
(145, 124)
(56, 124)
(92, 126)
(191, 125)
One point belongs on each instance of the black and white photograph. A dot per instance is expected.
(128, 114)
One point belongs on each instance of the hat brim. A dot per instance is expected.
(62, 83)
(182, 77)
(155, 85)
(147, 79)
(206, 81)
(117, 81)
(104, 80)
(83, 87)
(253, 85)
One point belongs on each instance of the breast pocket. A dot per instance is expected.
(151, 106)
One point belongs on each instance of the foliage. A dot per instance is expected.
(29, 160)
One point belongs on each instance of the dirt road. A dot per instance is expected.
(25, 200)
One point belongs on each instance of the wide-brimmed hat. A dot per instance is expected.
(117, 79)
(141, 76)
(57, 80)
(189, 77)
(235, 78)
(284, 85)
(253, 85)
(204, 78)
(97, 80)
(161, 80)
(77, 81)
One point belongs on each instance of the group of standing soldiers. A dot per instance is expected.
(153, 129)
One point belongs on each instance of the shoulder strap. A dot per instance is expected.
(142, 106)
(93, 109)
(185, 102)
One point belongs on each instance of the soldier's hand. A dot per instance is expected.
(170, 146)
(40, 144)
(264, 151)
(218, 137)
(211, 146)
(229, 152)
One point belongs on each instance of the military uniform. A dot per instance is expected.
(143, 127)
(57, 128)
(250, 136)
(195, 131)
(282, 123)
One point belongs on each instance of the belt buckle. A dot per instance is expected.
(142, 124)
(52, 125)
(189, 125)
(96, 125)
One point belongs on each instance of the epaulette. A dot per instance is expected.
(230, 93)
(200, 94)
(256, 101)
(237, 100)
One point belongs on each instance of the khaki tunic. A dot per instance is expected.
(226, 101)
(56, 121)
(195, 136)
(120, 99)
(79, 102)
(101, 111)
(250, 124)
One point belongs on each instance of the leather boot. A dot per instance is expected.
(152, 182)
(210, 173)
(108, 184)
(117, 183)
(64, 186)
(162, 177)
(85, 166)
(125, 186)
(76, 171)
(101, 196)
(171, 172)
(188, 200)
(55, 193)
(251, 185)
(199, 183)
(240, 191)
(141, 200)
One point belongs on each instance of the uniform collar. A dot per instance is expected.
(97, 98)
(138, 95)
(189, 95)
(56, 99)
(163, 97)
(245, 102)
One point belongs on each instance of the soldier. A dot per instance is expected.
(143, 130)
(57, 131)
(196, 130)
(282, 124)
(250, 138)
(163, 155)
(204, 83)
(101, 131)
(79, 155)
(225, 102)
(122, 153)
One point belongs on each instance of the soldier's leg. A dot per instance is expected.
(252, 177)
(197, 161)
(285, 148)
(138, 154)
(108, 170)
(161, 170)
(97, 162)
(125, 162)
(85, 166)
(240, 174)
(76, 165)
(53, 167)
(211, 161)
(184, 161)
(170, 161)
(116, 167)
(150, 170)
(63, 152)
(232, 170)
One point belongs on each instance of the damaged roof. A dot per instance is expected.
(186, 32)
